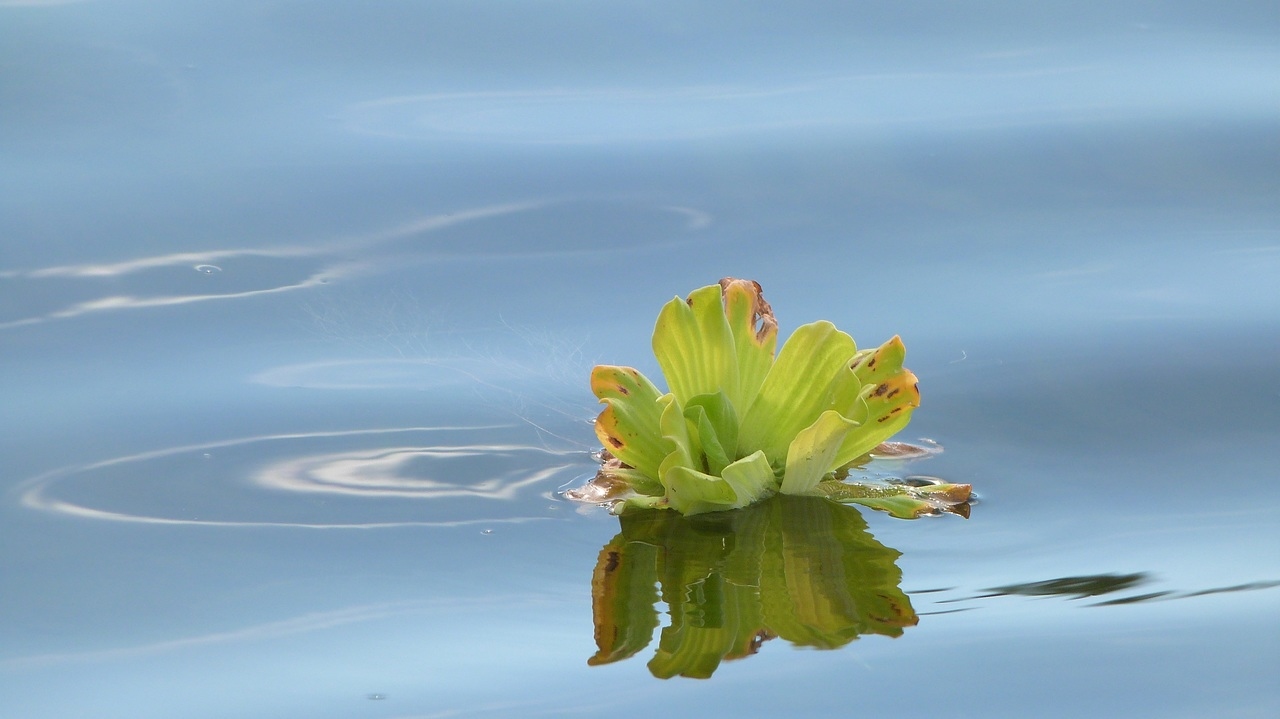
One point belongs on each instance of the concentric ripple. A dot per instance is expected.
(414, 476)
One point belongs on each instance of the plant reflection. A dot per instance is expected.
(801, 568)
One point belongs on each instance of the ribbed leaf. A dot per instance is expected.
(752, 479)
(716, 423)
(883, 410)
(874, 365)
(812, 454)
(692, 492)
(694, 346)
(902, 506)
(810, 375)
(899, 500)
(676, 439)
(629, 425)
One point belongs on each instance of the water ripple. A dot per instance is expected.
(503, 231)
(356, 479)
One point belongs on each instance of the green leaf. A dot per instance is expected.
(688, 490)
(902, 506)
(675, 433)
(694, 346)
(716, 423)
(692, 492)
(900, 500)
(629, 425)
(810, 375)
(632, 505)
(712, 456)
(751, 478)
(812, 454)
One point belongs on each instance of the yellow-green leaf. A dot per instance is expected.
(694, 346)
(812, 454)
(629, 425)
(883, 410)
(751, 478)
(809, 374)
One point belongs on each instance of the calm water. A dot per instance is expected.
(298, 302)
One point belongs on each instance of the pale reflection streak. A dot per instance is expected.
(394, 373)
(115, 269)
(407, 229)
(302, 624)
(125, 302)
(39, 3)
(323, 249)
(337, 259)
(697, 219)
(83, 512)
(576, 116)
(314, 474)
(297, 625)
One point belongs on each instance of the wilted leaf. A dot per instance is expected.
(755, 337)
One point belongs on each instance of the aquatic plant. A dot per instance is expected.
(742, 420)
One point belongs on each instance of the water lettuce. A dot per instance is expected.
(743, 420)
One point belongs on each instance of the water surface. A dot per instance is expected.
(298, 302)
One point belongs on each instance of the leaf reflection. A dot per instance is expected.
(800, 568)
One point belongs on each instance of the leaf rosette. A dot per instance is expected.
(743, 420)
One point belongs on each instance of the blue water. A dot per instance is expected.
(298, 303)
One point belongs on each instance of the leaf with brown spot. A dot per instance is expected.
(884, 411)
(873, 366)
(629, 425)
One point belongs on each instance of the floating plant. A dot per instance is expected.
(743, 421)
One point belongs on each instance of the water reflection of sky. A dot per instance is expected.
(441, 215)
